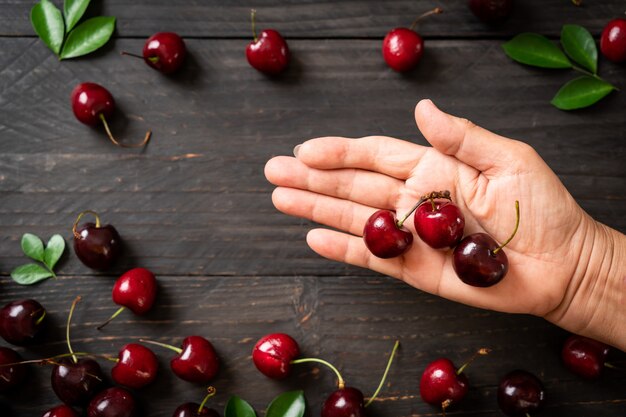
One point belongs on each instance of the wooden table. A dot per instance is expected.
(195, 208)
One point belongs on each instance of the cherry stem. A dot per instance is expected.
(131, 54)
(611, 365)
(50, 360)
(432, 195)
(436, 10)
(496, 250)
(164, 345)
(124, 145)
(445, 405)
(67, 328)
(211, 391)
(340, 382)
(80, 216)
(110, 319)
(382, 380)
(253, 22)
(40, 319)
(479, 352)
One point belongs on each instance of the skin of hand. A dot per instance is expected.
(563, 265)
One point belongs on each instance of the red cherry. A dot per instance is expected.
(584, 356)
(75, 383)
(13, 375)
(384, 237)
(613, 40)
(344, 402)
(402, 49)
(273, 354)
(165, 51)
(22, 322)
(268, 53)
(136, 367)
(61, 411)
(441, 385)
(136, 290)
(97, 246)
(520, 393)
(113, 402)
(440, 226)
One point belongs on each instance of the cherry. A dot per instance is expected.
(97, 246)
(268, 53)
(113, 402)
(136, 290)
(163, 51)
(273, 354)
(584, 356)
(385, 236)
(520, 393)
(93, 104)
(613, 40)
(136, 366)
(479, 261)
(344, 402)
(439, 224)
(75, 380)
(61, 411)
(196, 360)
(12, 373)
(21, 322)
(197, 410)
(491, 11)
(403, 47)
(442, 384)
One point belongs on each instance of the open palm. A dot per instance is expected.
(340, 182)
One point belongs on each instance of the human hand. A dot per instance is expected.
(340, 182)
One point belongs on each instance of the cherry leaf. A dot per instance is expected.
(73, 10)
(88, 36)
(581, 92)
(287, 404)
(47, 21)
(236, 407)
(32, 247)
(30, 274)
(536, 50)
(54, 250)
(580, 46)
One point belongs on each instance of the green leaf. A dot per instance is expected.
(30, 274)
(287, 404)
(236, 407)
(537, 50)
(73, 10)
(48, 23)
(54, 250)
(581, 92)
(88, 36)
(32, 247)
(580, 46)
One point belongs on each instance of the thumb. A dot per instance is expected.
(470, 144)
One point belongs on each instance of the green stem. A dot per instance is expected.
(164, 345)
(340, 382)
(496, 250)
(253, 20)
(382, 380)
(482, 351)
(432, 195)
(117, 313)
(210, 392)
(43, 316)
(436, 10)
(67, 328)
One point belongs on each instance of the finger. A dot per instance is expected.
(364, 187)
(333, 212)
(385, 155)
(471, 144)
(352, 250)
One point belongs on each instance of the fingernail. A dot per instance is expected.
(295, 150)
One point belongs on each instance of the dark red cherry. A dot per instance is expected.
(345, 402)
(439, 224)
(75, 383)
(440, 384)
(402, 49)
(196, 360)
(383, 237)
(13, 375)
(613, 40)
(268, 52)
(165, 51)
(136, 367)
(193, 410)
(584, 356)
(97, 246)
(61, 411)
(273, 354)
(520, 393)
(21, 322)
(476, 264)
(113, 402)
(136, 290)
(491, 11)
(91, 102)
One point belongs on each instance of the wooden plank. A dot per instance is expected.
(326, 19)
(350, 321)
(196, 201)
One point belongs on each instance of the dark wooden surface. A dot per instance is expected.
(195, 208)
